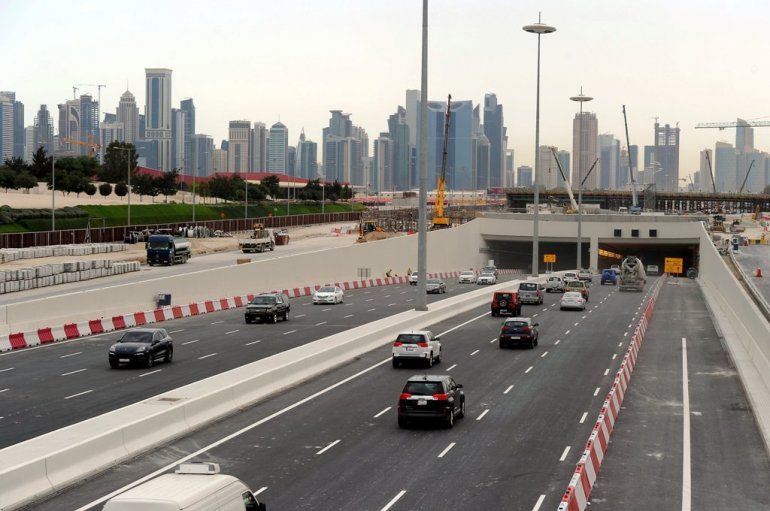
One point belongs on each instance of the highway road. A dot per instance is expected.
(52, 386)
(333, 442)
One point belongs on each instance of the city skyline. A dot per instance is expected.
(300, 81)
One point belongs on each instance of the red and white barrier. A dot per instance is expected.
(578, 493)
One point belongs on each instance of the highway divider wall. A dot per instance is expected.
(745, 330)
(38, 466)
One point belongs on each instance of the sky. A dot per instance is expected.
(684, 62)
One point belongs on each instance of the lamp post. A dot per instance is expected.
(539, 29)
(53, 192)
(128, 167)
(580, 98)
(422, 218)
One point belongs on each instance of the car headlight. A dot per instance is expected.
(141, 349)
(112, 349)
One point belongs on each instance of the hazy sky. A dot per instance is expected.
(682, 61)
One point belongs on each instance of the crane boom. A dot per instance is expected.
(746, 178)
(634, 196)
(711, 173)
(741, 124)
(439, 220)
(572, 202)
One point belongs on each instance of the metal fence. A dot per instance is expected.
(118, 234)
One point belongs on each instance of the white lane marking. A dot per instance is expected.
(584, 316)
(630, 325)
(369, 299)
(386, 296)
(326, 309)
(557, 341)
(567, 332)
(151, 372)
(78, 394)
(367, 292)
(392, 501)
(620, 345)
(625, 334)
(321, 323)
(73, 372)
(590, 312)
(391, 304)
(614, 356)
(538, 503)
(190, 342)
(309, 303)
(71, 354)
(448, 447)
(349, 316)
(260, 490)
(686, 460)
(486, 314)
(576, 324)
(546, 310)
(606, 372)
(528, 369)
(383, 412)
(328, 447)
(583, 417)
(493, 340)
(4, 390)
(402, 293)
(370, 310)
(534, 315)
(508, 389)
(410, 299)
(231, 332)
(6, 369)
(176, 331)
(544, 354)
(451, 367)
(474, 352)
(252, 342)
(289, 332)
(564, 454)
(482, 414)
(596, 392)
(217, 322)
(206, 356)
(300, 316)
(235, 434)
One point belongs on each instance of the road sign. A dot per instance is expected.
(549, 258)
(673, 265)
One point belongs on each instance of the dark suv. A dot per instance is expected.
(269, 306)
(505, 302)
(429, 396)
(518, 331)
(142, 346)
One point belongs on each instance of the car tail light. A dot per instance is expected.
(397, 344)
(422, 344)
(526, 330)
(405, 395)
(441, 397)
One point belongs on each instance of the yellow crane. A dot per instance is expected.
(439, 220)
(92, 146)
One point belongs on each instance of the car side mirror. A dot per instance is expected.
(536, 324)
(459, 385)
(437, 338)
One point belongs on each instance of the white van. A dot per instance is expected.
(192, 487)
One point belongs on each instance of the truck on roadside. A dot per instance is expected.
(632, 276)
(167, 249)
(261, 240)
(192, 487)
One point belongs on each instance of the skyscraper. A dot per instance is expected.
(550, 177)
(258, 147)
(667, 155)
(382, 167)
(345, 148)
(398, 132)
(461, 150)
(307, 158)
(19, 134)
(6, 128)
(744, 137)
(278, 146)
(128, 114)
(178, 121)
(238, 147)
(524, 176)
(585, 130)
(609, 161)
(725, 166)
(43, 130)
(495, 133)
(187, 106)
(564, 159)
(158, 113)
(201, 153)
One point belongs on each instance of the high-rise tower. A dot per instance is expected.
(158, 114)
(278, 147)
(128, 114)
(585, 130)
(43, 132)
(238, 147)
(187, 106)
(495, 133)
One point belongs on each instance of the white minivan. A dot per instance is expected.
(192, 487)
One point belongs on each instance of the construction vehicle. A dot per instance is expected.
(632, 275)
(634, 196)
(167, 249)
(260, 240)
(439, 220)
(365, 227)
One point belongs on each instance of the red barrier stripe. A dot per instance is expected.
(95, 325)
(140, 319)
(194, 309)
(71, 330)
(223, 303)
(119, 322)
(209, 306)
(159, 315)
(238, 301)
(176, 310)
(17, 340)
(45, 335)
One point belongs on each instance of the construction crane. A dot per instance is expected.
(92, 146)
(634, 196)
(746, 178)
(98, 110)
(736, 124)
(572, 202)
(439, 220)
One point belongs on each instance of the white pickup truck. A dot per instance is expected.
(261, 240)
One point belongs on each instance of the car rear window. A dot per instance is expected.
(424, 388)
(514, 324)
(528, 286)
(410, 338)
(502, 296)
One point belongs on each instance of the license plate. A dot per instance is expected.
(409, 349)
(422, 402)
(125, 360)
(515, 337)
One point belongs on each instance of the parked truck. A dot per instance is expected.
(261, 239)
(632, 276)
(167, 249)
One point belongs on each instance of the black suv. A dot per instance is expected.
(518, 331)
(269, 306)
(429, 396)
(142, 346)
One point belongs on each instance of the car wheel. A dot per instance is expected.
(430, 360)
(495, 313)
(461, 414)
(531, 344)
(114, 364)
(536, 340)
(150, 360)
(247, 320)
(395, 362)
(402, 423)
(450, 421)
(274, 318)
(169, 356)
(561, 308)
(438, 358)
(500, 343)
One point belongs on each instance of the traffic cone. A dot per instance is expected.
(758, 272)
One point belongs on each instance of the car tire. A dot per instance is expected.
(274, 318)
(438, 358)
(403, 423)
(430, 360)
(536, 340)
(531, 344)
(500, 343)
(286, 315)
(461, 414)
(114, 364)
(247, 320)
(150, 361)
(169, 356)
(495, 313)
(450, 421)
(395, 363)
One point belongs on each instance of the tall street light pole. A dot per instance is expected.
(195, 174)
(128, 168)
(53, 192)
(580, 98)
(539, 29)
(422, 217)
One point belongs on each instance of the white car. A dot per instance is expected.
(329, 294)
(413, 279)
(554, 284)
(417, 345)
(572, 300)
(570, 275)
(467, 277)
(486, 278)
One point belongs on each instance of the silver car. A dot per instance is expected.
(417, 345)
(486, 278)
(467, 277)
(329, 294)
(572, 300)
(435, 286)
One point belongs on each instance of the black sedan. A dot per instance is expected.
(435, 286)
(143, 346)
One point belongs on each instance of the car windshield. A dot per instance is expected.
(467, 274)
(574, 283)
(158, 243)
(423, 388)
(326, 289)
(503, 296)
(137, 336)
(263, 300)
(434, 282)
(410, 338)
(554, 279)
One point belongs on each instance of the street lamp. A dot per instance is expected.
(128, 167)
(580, 98)
(195, 174)
(539, 29)
(53, 192)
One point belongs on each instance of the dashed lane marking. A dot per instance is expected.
(73, 372)
(206, 356)
(327, 447)
(71, 354)
(448, 447)
(583, 417)
(252, 342)
(596, 392)
(508, 389)
(482, 414)
(190, 342)
(528, 369)
(383, 412)
(79, 394)
(151, 372)
(475, 352)
(451, 367)
(564, 454)
(394, 500)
